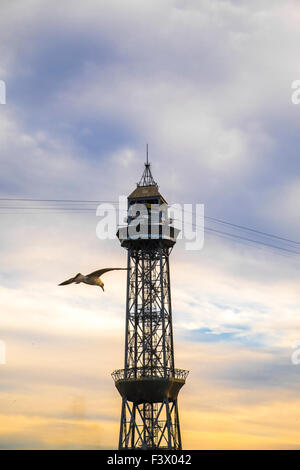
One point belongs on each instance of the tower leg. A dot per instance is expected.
(123, 420)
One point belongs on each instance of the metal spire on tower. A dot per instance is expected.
(147, 178)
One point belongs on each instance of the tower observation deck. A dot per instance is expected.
(149, 383)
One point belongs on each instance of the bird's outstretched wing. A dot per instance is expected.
(99, 272)
(69, 281)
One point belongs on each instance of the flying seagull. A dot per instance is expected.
(92, 278)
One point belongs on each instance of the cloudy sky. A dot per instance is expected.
(208, 84)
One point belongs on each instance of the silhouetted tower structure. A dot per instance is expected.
(149, 383)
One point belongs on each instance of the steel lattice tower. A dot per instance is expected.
(149, 383)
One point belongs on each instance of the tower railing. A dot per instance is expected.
(144, 372)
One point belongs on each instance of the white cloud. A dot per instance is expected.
(281, 206)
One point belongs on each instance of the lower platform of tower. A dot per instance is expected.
(149, 416)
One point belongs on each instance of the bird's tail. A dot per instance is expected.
(69, 281)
